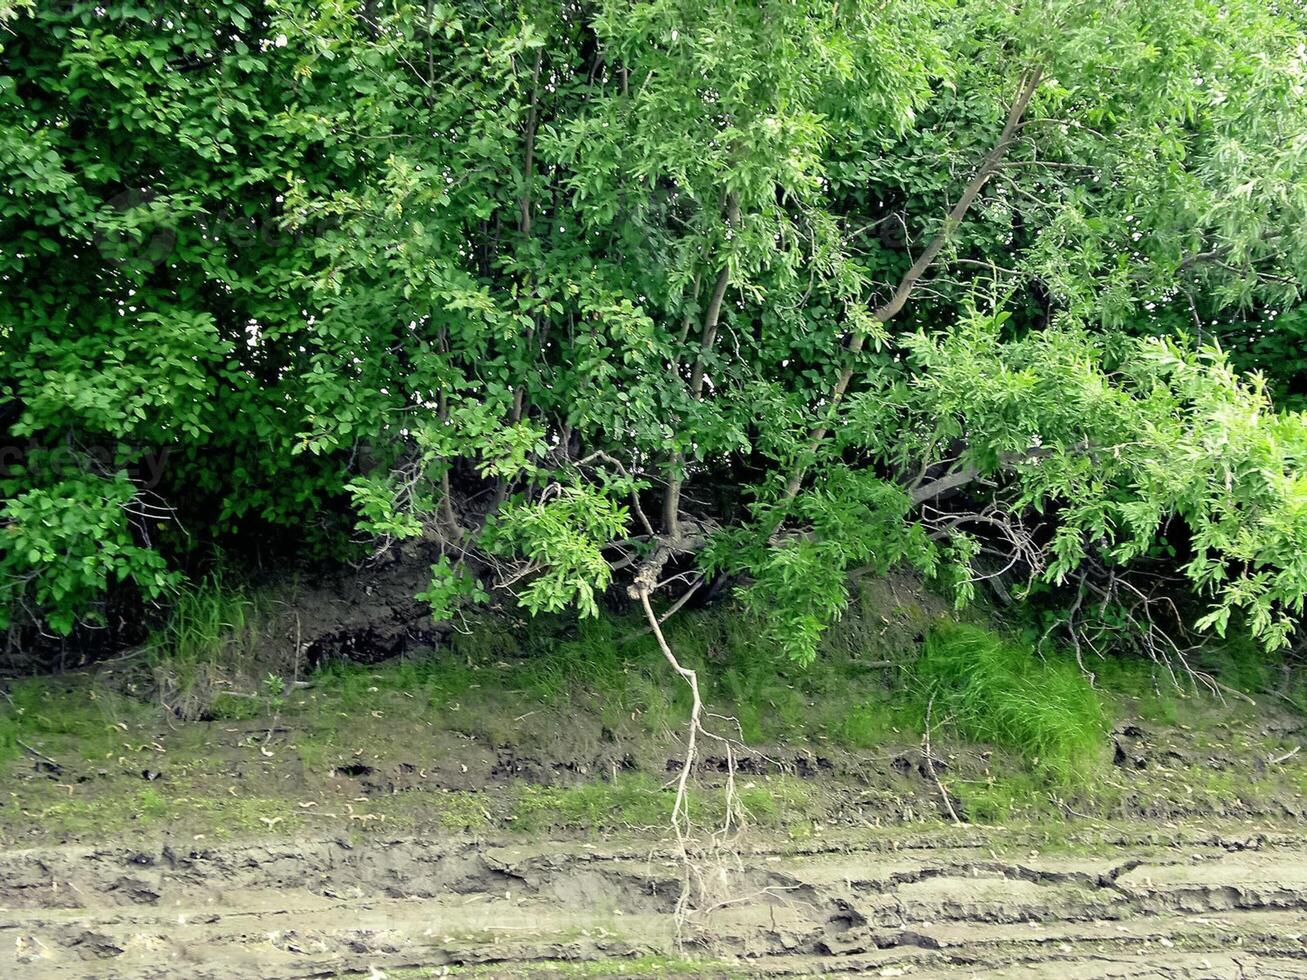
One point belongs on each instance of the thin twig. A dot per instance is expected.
(40, 755)
(930, 766)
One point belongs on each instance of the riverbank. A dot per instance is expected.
(502, 805)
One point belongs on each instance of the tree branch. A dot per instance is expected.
(907, 285)
(711, 319)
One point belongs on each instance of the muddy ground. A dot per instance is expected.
(387, 821)
(1177, 902)
(412, 858)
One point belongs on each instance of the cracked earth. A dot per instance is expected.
(1180, 904)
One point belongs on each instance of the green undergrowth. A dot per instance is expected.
(882, 672)
(35, 710)
(212, 621)
(632, 804)
(613, 669)
(991, 689)
(206, 655)
(1219, 673)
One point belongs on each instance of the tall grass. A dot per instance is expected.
(207, 647)
(991, 689)
(212, 621)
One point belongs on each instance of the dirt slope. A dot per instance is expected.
(970, 903)
(481, 811)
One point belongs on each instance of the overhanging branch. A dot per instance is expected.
(908, 284)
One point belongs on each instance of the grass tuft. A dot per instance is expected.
(209, 622)
(207, 647)
(990, 689)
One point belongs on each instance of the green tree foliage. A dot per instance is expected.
(589, 294)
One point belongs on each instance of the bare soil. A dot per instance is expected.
(1175, 902)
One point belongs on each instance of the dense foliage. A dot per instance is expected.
(597, 293)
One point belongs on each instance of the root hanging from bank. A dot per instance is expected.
(929, 760)
(706, 865)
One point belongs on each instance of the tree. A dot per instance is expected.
(639, 294)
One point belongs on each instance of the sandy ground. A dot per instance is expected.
(1173, 903)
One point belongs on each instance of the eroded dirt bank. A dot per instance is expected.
(502, 810)
(1142, 902)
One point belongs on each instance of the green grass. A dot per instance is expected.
(990, 689)
(607, 667)
(205, 655)
(440, 680)
(985, 688)
(1240, 663)
(1170, 696)
(998, 800)
(212, 621)
(9, 736)
(153, 809)
(617, 666)
(610, 669)
(637, 801)
(1152, 692)
(630, 802)
(882, 717)
(463, 812)
(36, 710)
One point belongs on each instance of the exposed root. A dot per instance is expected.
(930, 766)
(706, 865)
(40, 755)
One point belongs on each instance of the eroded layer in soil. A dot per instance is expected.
(965, 903)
